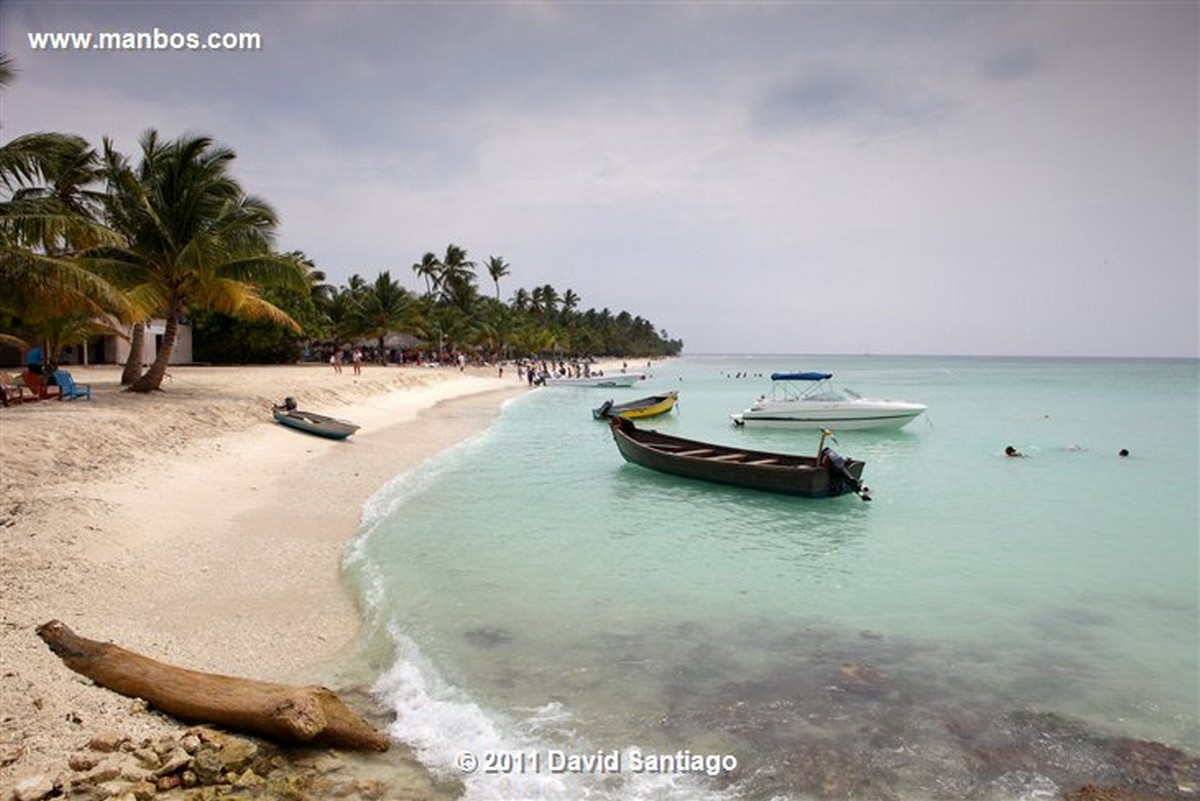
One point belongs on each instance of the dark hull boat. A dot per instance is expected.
(826, 475)
(312, 423)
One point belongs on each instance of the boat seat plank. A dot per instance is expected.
(728, 457)
(696, 452)
(764, 461)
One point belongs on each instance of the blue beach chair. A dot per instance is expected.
(71, 390)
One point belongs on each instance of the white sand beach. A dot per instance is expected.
(189, 527)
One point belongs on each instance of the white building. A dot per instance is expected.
(115, 350)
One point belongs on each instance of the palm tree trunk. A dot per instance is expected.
(133, 363)
(153, 378)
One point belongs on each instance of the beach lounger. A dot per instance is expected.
(13, 391)
(39, 386)
(68, 389)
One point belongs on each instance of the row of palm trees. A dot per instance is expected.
(92, 243)
(452, 314)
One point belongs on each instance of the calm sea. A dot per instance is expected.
(551, 622)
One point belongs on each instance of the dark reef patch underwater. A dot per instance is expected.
(826, 715)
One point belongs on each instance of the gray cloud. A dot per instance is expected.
(1015, 63)
(776, 176)
(832, 96)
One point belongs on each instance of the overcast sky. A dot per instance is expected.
(941, 178)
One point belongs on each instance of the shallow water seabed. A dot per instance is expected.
(808, 713)
(986, 628)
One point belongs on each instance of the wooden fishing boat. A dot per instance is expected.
(311, 422)
(825, 475)
(651, 406)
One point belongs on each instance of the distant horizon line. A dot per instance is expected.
(1060, 357)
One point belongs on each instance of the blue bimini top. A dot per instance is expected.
(800, 376)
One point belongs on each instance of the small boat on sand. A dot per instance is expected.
(825, 475)
(651, 406)
(312, 423)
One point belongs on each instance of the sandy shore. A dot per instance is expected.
(187, 526)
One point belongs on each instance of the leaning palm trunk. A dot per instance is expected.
(153, 378)
(133, 364)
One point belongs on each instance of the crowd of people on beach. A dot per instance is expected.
(538, 371)
(357, 356)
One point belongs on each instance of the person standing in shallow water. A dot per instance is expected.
(1013, 453)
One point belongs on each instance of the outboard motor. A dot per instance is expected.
(604, 407)
(842, 474)
(289, 403)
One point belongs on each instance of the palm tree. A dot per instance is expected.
(430, 269)
(68, 168)
(569, 301)
(456, 272)
(7, 70)
(495, 324)
(497, 268)
(384, 307)
(521, 300)
(47, 207)
(545, 300)
(455, 328)
(117, 172)
(462, 295)
(46, 216)
(341, 312)
(41, 218)
(320, 291)
(193, 238)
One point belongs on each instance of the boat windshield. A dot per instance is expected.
(812, 387)
(828, 395)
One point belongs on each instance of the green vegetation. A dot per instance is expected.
(449, 316)
(453, 315)
(92, 244)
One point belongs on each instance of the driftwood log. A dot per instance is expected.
(311, 715)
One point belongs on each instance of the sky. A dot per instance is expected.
(862, 177)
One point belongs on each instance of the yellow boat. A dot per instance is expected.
(651, 406)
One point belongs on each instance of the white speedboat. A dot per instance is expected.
(605, 381)
(808, 400)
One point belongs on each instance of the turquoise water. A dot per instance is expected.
(985, 628)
